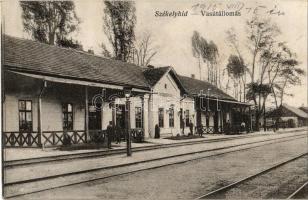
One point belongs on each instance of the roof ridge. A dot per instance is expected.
(203, 81)
(50, 45)
(195, 86)
(68, 49)
(32, 55)
(299, 111)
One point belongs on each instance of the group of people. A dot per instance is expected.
(113, 134)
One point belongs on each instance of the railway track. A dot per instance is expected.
(299, 193)
(46, 159)
(225, 189)
(96, 154)
(37, 181)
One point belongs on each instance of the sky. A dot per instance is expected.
(172, 35)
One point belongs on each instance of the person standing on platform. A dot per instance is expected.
(228, 127)
(109, 134)
(157, 131)
(191, 127)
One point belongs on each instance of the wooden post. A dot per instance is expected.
(102, 107)
(145, 118)
(151, 125)
(113, 111)
(250, 119)
(39, 115)
(114, 114)
(87, 114)
(39, 122)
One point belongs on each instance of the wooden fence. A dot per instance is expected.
(19, 139)
(208, 129)
(58, 138)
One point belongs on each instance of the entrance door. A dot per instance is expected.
(120, 116)
(95, 118)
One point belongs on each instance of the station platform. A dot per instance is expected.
(18, 153)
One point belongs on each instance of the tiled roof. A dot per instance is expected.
(305, 109)
(153, 75)
(296, 111)
(194, 86)
(30, 56)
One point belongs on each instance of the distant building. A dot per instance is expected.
(305, 109)
(290, 116)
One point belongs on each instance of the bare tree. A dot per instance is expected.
(210, 56)
(208, 53)
(144, 50)
(196, 48)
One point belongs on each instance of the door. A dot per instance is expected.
(95, 118)
(120, 116)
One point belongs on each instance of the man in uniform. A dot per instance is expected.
(109, 134)
(191, 127)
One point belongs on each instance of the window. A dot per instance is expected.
(25, 115)
(187, 117)
(161, 117)
(165, 86)
(138, 117)
(171, 117)
(67, 110)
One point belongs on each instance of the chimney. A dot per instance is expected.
(193, 76)
(91, 51)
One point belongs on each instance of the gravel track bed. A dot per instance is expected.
(181, 181)
(302, 194)
(278, 183)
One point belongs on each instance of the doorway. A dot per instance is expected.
(120, 116)
(95, 118)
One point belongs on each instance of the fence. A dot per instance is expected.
(209, 129)
(233, 129)
(19, 139)
(58, 138)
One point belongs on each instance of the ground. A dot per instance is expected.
(181, 181)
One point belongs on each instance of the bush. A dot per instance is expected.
(97, 137)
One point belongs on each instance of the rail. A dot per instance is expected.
(219, 191)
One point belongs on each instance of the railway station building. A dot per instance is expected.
(289, 116)
(50, 91)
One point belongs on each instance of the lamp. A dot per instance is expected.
(127, 93)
